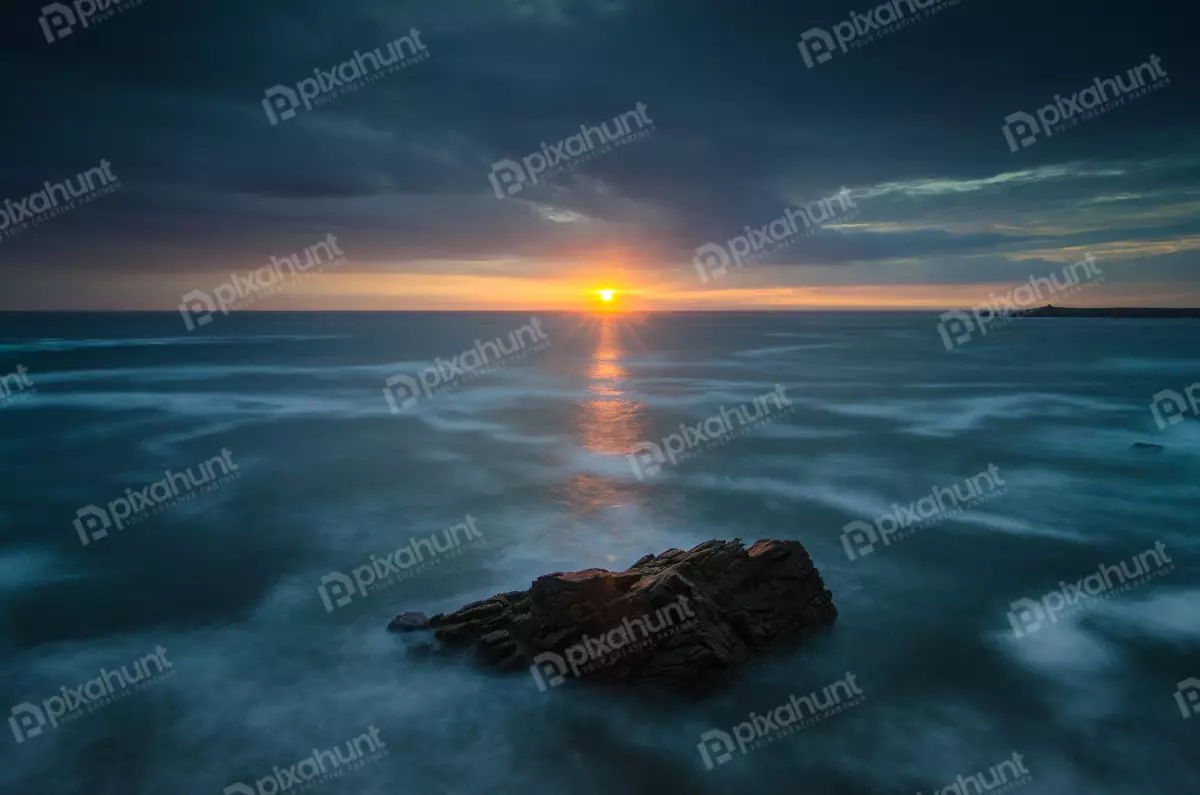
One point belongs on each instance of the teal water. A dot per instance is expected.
(268, 665)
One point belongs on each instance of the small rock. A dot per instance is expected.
(407, 622)
(1148, 448)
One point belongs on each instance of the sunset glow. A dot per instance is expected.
(606, 300)
(578, 291)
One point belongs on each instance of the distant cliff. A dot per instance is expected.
(1119, 312)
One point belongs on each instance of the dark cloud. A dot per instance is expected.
(170, 92)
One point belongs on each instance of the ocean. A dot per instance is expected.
(205, 533)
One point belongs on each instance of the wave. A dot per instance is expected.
(761, 353)
(58, 344)
(208, 373)
(956, 415)
(208, 404)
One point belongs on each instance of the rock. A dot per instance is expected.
(407, 622)
(1147, 448)
(676, 620)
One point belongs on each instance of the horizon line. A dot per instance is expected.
(616, 313)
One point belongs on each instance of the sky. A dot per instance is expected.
(884, 143)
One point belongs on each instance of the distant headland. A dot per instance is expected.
(1142, 313)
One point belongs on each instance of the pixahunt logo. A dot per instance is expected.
(1022, 129)
(92, 522)
(958, 327)
(321, 766)
(712, 260)
(1169, 407)
(1187, 697)
(56, 198)
(648, 458)
(282, 103)
(59, 20)
(1027, 616)
(198, 306)
(420, 554)
(1007, 776)
(30, 720)
(818, 44)
(860, 539)
(550, 669)
(403, 391)
(717, 746)
(16, 386)
(509, 177)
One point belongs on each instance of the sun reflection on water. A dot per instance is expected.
(607, 422)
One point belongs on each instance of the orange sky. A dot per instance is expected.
(376, 291)
(666, 290)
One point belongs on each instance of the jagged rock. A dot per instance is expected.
(407, 622)
(679, 619)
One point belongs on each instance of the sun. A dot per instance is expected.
(607, 299)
